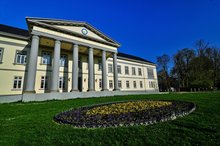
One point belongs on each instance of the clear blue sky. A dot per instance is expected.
(145, 28)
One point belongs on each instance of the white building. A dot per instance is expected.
(68, 56)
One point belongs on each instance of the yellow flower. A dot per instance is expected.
(126, 107)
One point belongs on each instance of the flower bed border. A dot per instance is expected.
(172, 116)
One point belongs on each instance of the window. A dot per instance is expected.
(141, 84)
(135, 84)
(126, 70)
(133, 71)
(17, 82)
(110, 84)
(46, 58)
(21, 57)
(150, 73)
(62, 83)
(119, 69)
(127, 84)
(110, 69)
(139, 72)
(1, 54)
(152, 84)
(99, 65)
(100, 83)
(63, 60)
(119, 84)
(44, 82)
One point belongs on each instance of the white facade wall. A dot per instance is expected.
(9, 69)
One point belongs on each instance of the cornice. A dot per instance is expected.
(14, 36)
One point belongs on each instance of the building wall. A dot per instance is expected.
(131, 78)
(7, 67)
(8, 70)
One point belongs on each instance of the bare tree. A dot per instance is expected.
(201, 45)
(163, 74)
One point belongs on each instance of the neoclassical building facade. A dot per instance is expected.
(68, 56)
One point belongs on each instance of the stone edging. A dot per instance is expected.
(150, 122)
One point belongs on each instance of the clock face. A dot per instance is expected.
(84, 31)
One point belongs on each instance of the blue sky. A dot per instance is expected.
(145, 28)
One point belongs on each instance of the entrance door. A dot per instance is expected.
(80, 84)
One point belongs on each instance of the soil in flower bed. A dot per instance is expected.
(125, 113)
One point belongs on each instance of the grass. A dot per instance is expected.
(32, 124)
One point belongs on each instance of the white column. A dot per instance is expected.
(56, 67)
(115, 72)
(104, 74)
(91, 70)
(32, 65)
(75, 68)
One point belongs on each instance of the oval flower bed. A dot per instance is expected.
(142, 112)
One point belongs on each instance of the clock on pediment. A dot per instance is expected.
(84, 31)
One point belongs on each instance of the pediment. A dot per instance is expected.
(81, 30)
(77, 28)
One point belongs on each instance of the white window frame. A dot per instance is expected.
(63, 60)
(134, 84)
(17, 83)
(44, 82)
(1, 54)
(21, 57)
(127, 84)
(119, 69)
(62, 83)
(110, 68)
(141, 84)
(139, 71)
(47, 59)
(100, 83)
(150, 73)
(119, 84)
(126, 70)
(133, 71)
(152, 84)
(110, 84)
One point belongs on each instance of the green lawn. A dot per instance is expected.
(32, 124)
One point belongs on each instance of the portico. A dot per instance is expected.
(59, 40)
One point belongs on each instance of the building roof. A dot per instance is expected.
(14, 30)
(25, 33)
(132, 57)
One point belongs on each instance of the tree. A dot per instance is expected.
(163, 75)
(202, 66)
(182, 69)
(188, 56)
(213, 54)
(201, 45)
(200, 70)
(192, 68)
(177, 70)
